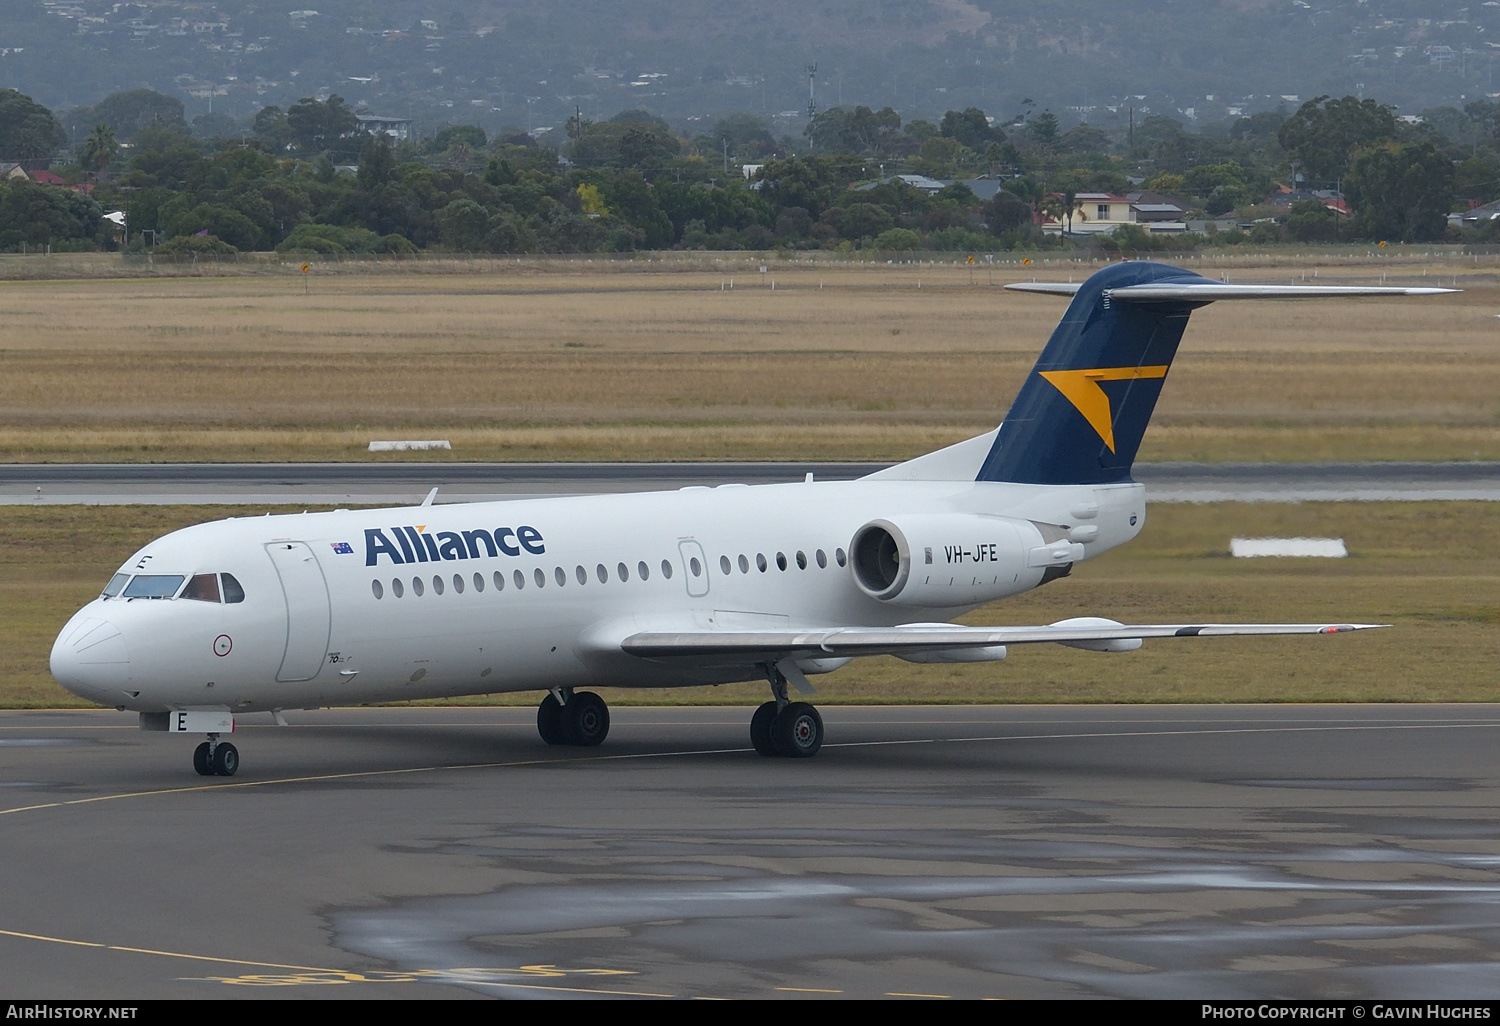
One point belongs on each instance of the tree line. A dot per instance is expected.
(307, 179)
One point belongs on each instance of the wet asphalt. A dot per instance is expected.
(1027, 851)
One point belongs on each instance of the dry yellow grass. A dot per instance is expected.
(650, 360)
(1430, 569)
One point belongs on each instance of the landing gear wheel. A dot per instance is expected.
(760, 729)
(798, 731)
(226, 760)
(585, 719)
(549, 721)
(201, 761)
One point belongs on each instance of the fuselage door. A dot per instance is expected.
(695, 568)
(307, 612)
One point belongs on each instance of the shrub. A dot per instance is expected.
(330, 239)
(196, 244)
(897, 240)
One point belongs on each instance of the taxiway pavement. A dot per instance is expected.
(1163, 851)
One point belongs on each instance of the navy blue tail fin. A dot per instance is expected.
(1083, 409)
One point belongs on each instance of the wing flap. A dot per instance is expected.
(862, 641)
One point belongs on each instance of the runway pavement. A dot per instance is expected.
(1165, 851)
(324, 484)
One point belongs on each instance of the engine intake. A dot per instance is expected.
(880, 559)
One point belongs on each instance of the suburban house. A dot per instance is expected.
(984, 189)
(11, 171)
(1479, 215)
(915, 181)
(1285, 196)
(375, 124)
(1101, 213)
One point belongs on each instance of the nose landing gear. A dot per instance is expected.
(215, 758)
(578, 718)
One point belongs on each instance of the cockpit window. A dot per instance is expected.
(153, 586)
(232, 590)
(115, 585)
(203, 587)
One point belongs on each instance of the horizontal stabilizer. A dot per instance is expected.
(1208, 292)
(1051, 288)
(1197, 292)
(861, 641)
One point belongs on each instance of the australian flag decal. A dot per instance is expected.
(343, 548)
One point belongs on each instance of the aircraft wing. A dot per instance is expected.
(863, 641)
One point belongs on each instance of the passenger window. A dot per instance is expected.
(479, 581)
(437, 585)
(203, 588)
(458, 583)
(645, 571)
(116, 583)
(801, 560)
(153, 586)
(581, 574)
(541, 577)
(396, 588)
(666, 568)
(561, 575)
(781, 560)
(760, 562)
(623, 571)
(378, 591)
(724, 564)
(695, 566)
(822, 559)
(838, 555)
(601, 573)
(416, 586)
(744, 564)
(520, 580)
(232, 591)
(499, 581)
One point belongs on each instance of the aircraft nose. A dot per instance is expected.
(89, 658)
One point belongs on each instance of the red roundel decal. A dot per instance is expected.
(222, 645)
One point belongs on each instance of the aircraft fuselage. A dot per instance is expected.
(359, 606)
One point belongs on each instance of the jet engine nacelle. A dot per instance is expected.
(956, 559)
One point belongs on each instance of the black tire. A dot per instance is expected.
(760, 729)
(201, 761)
(549, 721)
(798, 731)
(586, 720)
(226, 760)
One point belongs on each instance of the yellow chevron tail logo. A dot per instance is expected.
(1082, 389)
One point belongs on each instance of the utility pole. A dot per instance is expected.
(812, 78)
(725, 141)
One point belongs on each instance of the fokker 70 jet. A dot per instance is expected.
(668, 589)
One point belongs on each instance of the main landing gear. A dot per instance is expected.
(780, 727)
(566, 717)
(215, 758)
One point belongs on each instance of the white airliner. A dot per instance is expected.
(667, 589)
